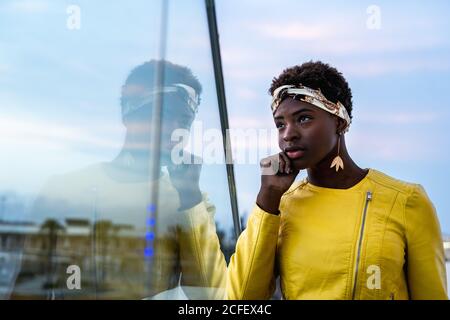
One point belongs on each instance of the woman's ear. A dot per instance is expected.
(340, 125)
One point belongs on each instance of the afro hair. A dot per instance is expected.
(317, 75)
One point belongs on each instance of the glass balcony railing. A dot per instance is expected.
(105, 192)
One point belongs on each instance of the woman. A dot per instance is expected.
(343, 232)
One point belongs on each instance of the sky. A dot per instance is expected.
(60, 87)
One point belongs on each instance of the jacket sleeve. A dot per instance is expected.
(203, 265)
(251, 271)
(426, 273)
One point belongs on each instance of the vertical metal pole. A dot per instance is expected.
(155, 145)
(220, 88)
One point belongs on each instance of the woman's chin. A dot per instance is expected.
(300, 164)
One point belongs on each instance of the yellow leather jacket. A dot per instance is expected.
(379, 239)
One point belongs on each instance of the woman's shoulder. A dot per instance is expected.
(414, 194)
(376, 177)
(387, 181)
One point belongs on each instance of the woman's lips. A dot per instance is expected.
(295, 154)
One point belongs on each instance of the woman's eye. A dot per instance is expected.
(304, 119)
(279, 125)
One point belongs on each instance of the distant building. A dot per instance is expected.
(446, 239)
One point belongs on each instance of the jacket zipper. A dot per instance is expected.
(355, 275)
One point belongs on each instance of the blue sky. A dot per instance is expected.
(59, 89)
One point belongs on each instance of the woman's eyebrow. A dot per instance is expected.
(295, 113)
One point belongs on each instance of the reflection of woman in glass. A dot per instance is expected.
(343, 232)
(186, 248)
(98, 214)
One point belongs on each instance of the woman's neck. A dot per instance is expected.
(323, 176)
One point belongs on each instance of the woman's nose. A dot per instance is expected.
(290, 133)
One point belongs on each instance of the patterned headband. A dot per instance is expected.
(314, 97)
(190, 96)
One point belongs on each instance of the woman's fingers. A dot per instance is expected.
(287, 163)
(282, 164)
(277, 163)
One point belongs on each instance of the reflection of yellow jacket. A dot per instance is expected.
(193, 247)
(379, 239)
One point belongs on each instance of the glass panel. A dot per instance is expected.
(92, 204)
(202, 258)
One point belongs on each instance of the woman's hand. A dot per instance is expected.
(185, 178)
(277, 175)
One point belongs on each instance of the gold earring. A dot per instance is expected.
(337, 161)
